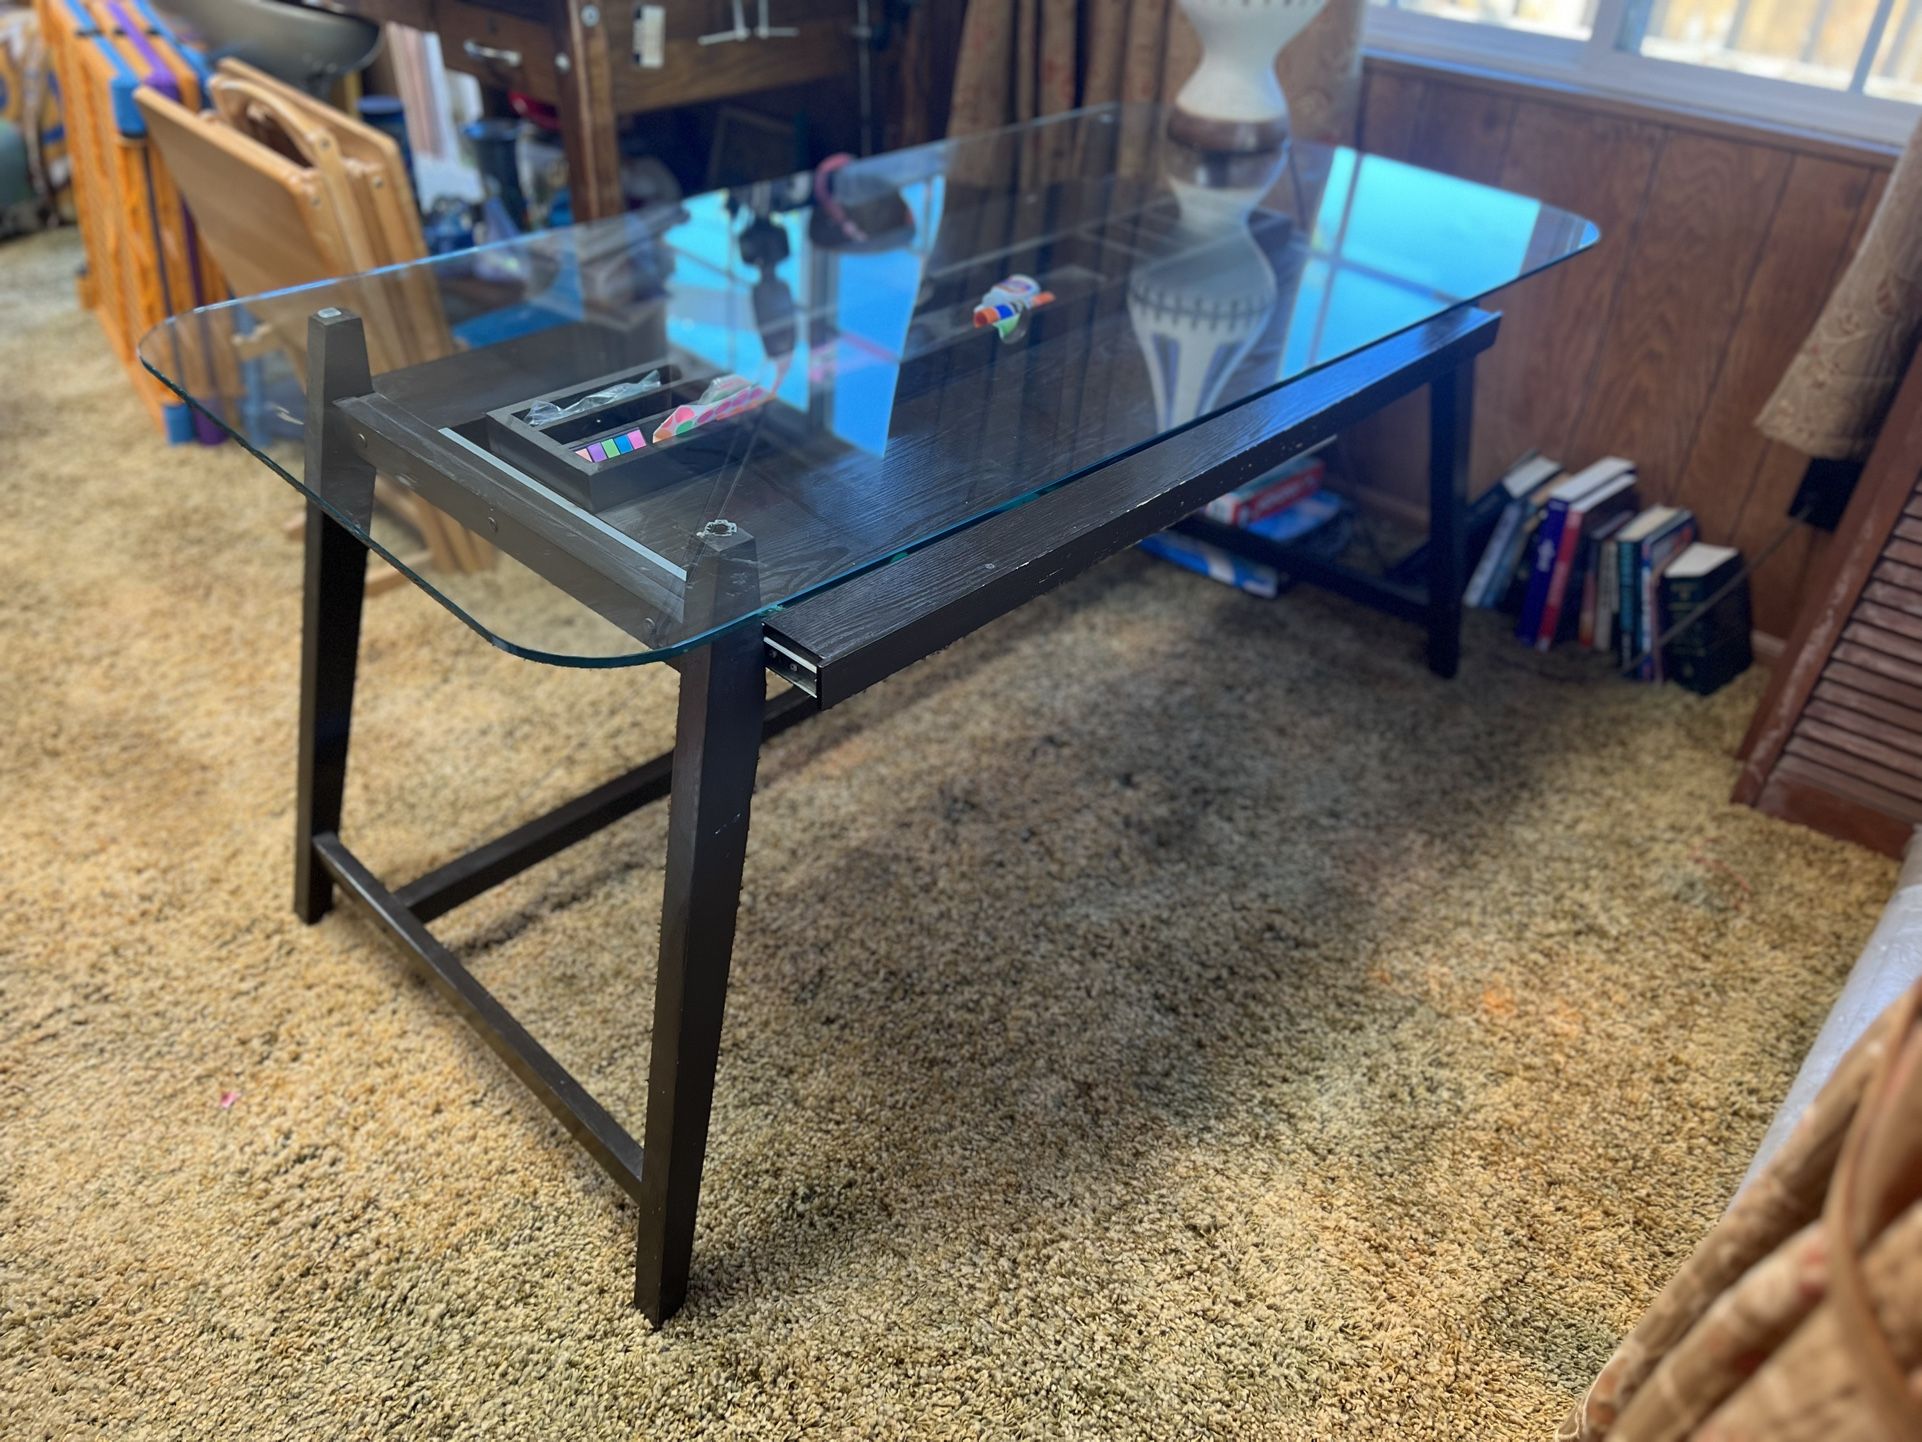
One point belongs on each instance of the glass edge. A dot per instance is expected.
(1591, 237)
(493, 638)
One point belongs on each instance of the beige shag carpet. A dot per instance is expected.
(1164, 1015)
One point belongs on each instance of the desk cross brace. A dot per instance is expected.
(708, 778)
(722, 720)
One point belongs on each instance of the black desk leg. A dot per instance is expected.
(717, 744)
(336, 582)
(330, 644)
(1451, 411)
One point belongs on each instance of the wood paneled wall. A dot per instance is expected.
(1719, 244)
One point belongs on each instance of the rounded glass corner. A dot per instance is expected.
(553, 629)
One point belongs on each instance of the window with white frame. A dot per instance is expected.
(1848, 66)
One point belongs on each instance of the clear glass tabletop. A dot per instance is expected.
(847, 364)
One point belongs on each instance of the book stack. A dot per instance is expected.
(1576, 558)
(1581, 511)
(1526, 487)
(1267, 495)
(1705, 602)
(1290, 504)
(1643, 551)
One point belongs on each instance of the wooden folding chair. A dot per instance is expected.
(268, 222)
(364, 182)
(128, 283)
(393, 219)
(159, 209)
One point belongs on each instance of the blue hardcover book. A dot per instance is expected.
(1306, 521)
(1548, 540)
(1214, 563)
(1611, 498)
(1532, 473)
(1483, 580)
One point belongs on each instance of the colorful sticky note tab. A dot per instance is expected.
(612, 447)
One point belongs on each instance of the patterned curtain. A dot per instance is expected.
(1025, 58)
(1838, 388)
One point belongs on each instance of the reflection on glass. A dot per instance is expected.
(1198, 308)
(821, 377)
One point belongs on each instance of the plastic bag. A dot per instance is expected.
(545, 413)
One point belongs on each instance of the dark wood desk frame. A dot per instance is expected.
(828, 647)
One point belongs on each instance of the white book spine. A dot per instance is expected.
(1478, 583)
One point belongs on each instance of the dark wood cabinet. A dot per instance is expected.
(587, 59)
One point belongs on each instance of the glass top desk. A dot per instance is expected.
(825, 426)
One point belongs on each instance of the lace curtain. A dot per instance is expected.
(1837, 389)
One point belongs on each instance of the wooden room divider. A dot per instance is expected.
(1836, 742)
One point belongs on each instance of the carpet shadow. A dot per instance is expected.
(1167, 1035)
(1051, 1098)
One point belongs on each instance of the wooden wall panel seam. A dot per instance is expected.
(1722, 355)
(1813, 234)
(1615, 299)
(1508, 137)
(1529, 395)
(1707, 219)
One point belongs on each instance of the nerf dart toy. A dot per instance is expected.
(1008, 303)
(728, 395)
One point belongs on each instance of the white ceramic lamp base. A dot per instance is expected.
(1233, 102)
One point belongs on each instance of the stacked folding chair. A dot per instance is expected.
(30, 100)
(285, 190)
(143, 262)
